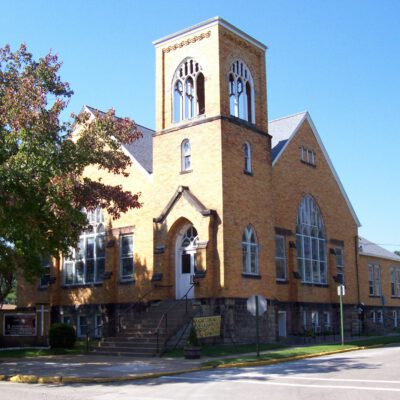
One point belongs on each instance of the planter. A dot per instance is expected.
(191, 352)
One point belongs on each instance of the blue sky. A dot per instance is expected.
(340, 60)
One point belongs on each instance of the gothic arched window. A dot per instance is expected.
(311, 242)
(241, 92)
(249, 251)
(188, 91)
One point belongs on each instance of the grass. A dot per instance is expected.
(79, 348)
(221, 350)
(302, 351)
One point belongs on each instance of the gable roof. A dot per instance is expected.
(283, 130)
(184, 191)
(141, 150)
(367, 248)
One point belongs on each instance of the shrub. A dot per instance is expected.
(62, 336)
(192, 339)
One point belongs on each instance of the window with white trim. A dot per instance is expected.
(247, 157)
(98, 326)
(126, 257)
(395, 281)
(186, 156)
(82, 325)
(326, 319)
(249, 251)
(311, 243)
(280, 258)
(374, 280)
(315, 320)
(372, 316)
(307, 155)
(45, 278)
(379, 317)
(86, 263)
(339, 265)
(188, 91)
(241, 92)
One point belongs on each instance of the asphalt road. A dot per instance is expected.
(368, 374)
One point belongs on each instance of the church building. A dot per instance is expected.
(234, 204)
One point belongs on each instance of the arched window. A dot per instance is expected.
(247, 157)
(241, 92)
(311, 242)
(249, 251)
(86, 263)
(186, 157)
(188, 91)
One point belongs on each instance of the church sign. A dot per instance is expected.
(19, 325)
(207, 326)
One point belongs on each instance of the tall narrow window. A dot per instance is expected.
(339, 265)
(186, 156)
(311, 243)
(398, 281)
(393, 282)
(247, 157)
(188, 91)
(280, 258)
(374, 280)
(378, 280)
(241, 92)
(126, 257)
(200, 94)
(86, 263)
(249, 251)
(371, 280)
(178, 101)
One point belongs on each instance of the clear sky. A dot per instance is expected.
(338, 59)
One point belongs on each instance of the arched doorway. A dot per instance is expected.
(186, 249)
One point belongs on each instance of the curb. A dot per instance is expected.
(153, 375)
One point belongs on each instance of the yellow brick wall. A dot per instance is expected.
(292, 180)
(385, 266)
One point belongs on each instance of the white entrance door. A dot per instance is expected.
(282, 324)
(186, 262)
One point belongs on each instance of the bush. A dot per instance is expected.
(192, 339)
(62, 336)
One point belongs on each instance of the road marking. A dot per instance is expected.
(333, 379)
(282, 384)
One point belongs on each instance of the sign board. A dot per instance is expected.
(19, 325)
(251, 304)
(207, 326)
(340, 290)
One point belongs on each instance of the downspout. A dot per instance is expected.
(357, 269)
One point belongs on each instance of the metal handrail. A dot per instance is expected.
(164, 316)
(130, 308)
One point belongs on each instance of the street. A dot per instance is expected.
(367, 374)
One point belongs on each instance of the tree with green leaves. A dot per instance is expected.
(43, 189)
(397, 252)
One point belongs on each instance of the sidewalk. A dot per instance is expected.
(88, 366)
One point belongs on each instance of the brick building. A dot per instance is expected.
(233, 205)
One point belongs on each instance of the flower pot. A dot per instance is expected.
(191, 352)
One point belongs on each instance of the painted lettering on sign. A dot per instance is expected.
(20, 325)
(207, 326)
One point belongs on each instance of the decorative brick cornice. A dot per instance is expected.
(241, 43)
(187, 42)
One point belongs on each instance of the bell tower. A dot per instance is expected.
(212, 137)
